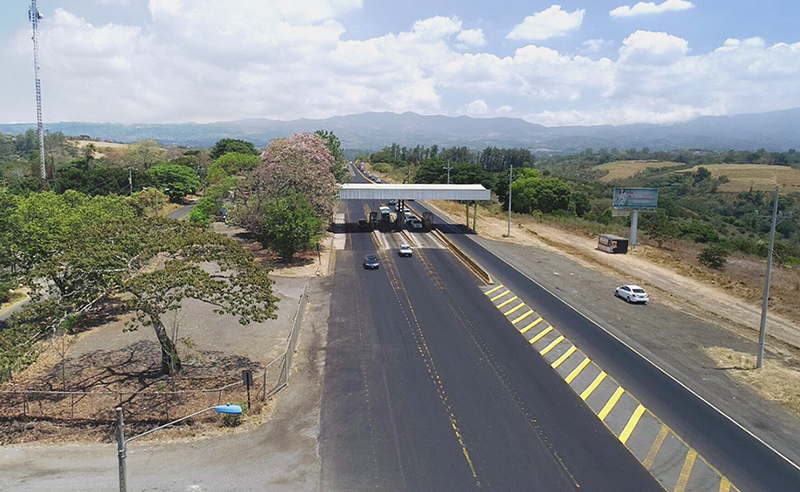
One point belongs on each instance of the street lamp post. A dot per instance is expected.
(762, 332)
(510, 181)
(122, 443)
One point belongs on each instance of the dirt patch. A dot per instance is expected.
(759, 177)
(626, 169)
(778, 380)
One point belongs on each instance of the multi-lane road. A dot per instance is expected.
(429, 386)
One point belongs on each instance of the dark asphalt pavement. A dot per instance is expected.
(746, 461)
(427, 387)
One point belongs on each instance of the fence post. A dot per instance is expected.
(25, 405)
(265, 383)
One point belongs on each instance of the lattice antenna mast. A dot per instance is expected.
(34, 16)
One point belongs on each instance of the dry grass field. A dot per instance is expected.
(626, 169)
(101, 145)
(759, 177)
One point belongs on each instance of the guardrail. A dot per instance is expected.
(472, 264)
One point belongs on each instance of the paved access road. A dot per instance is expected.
(427, 387)
(746, 461)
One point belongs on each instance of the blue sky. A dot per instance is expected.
(571, 62)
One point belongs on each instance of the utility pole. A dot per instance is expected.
(449, 167)
(34, 16)
(130, 181)
(510, 181)
(762, 334)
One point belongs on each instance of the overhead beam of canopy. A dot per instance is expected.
(385, 191)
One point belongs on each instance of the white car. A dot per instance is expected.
(632, 293)
(416, 224)
(405, 250)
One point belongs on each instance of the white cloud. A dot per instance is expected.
(644, 8)
(652, 48)
(549, 23)
(476, 108)
(594, 45)
(471, 38)
(199, 61)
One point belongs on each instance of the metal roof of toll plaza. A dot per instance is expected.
(386, 191)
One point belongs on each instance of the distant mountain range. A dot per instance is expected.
(773, 131)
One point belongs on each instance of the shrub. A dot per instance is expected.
(699, 232)
(713, 256)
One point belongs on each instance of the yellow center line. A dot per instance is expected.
(505, 303)
(514, 322)
(493, 290)
(655, 447)
(588, 391)
(631, 425)
(611, 403)
(515, 309)
(536, 322)
(552, 345)
(686, 471)
(724, 485)
(540, 335)
(564, 357)
(498, 296)
(577, 370)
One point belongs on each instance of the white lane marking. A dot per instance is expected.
(690, 390)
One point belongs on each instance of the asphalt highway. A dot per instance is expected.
(745, 460)
(427, 387)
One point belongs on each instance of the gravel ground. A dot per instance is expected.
(279, 455)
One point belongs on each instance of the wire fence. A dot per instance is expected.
(151, 405)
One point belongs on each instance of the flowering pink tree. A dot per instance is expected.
(300, 164)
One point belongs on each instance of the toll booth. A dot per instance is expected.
(427, 220)
(612, 244)
(373, 220)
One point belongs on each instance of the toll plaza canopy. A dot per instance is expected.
(385, 191)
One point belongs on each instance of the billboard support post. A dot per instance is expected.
(634, 227)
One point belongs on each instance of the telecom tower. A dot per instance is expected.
(34, 16)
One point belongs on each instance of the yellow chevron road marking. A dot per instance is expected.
(686, 471)
(564, 357)
(577, 370)
(724, 485)
(655, 447)
(514, 322)
(493, 290)
(611, 403)
(631, 425)
(536, 322)
(506, 303)
(588, 391)
(498, 296)
(540, 335)
(515, 309)
(552, 345)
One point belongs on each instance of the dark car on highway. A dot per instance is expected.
(371, 262)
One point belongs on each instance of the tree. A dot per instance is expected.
(227, 145)
(339, 168)
(544, 194)
(177, 181)
(104, 249)
(713, 256)
(302, 164)
(142, 155)
(286, 225)
(660, 227)
(582, 203)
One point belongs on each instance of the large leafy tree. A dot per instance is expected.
(175, 180)
(543, 194)
(287, 225)
(339, 168)
(75, 252)
(227, 145)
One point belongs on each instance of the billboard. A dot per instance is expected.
(642, 199)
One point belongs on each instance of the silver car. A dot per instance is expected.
(405, 250)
